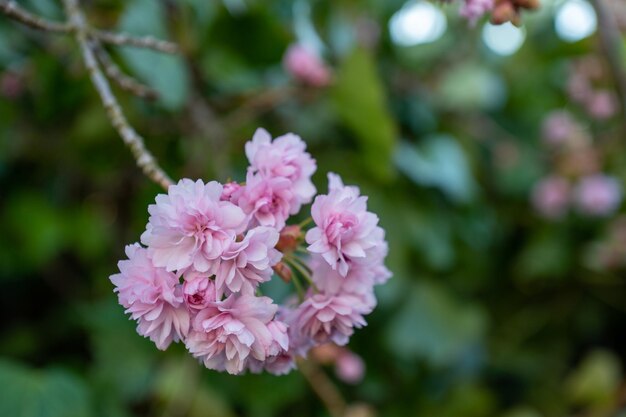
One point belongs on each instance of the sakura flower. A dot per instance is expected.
(306, 66)
(199, 292)
(349, 367)
(190, 226)
(225, 334)
(598, 195)
(325, 317)
(344, 230)
(286, 157)
(472, 10)
(230, 192)
(558, 127)
(268, 201)
(551, 197)
(153, 298)
(279, 360)
(246, 263)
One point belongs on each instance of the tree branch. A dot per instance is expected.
(323, 387)
(11, 9)
(14, 11)
(131, 138)
(125, 82)
(148, 42)
(611, 42)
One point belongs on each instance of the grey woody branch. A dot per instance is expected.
(89, 41)
(124, 81)
(13, 10)
(131, 138)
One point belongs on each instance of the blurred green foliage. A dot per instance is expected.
(492, 311)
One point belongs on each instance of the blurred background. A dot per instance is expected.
(494, 155)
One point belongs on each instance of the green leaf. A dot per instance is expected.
(41, 393)
(596, 381)
(164, 72)
(360, 102)
(441, 163)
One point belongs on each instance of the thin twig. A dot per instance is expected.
(611, 42)
(15, 11)
(124, 81)
(131, 138)
(149, 42)
(11, 9)
(323, 387)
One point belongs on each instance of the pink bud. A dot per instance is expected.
(551, 197)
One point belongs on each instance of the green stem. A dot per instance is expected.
(302, 269)
(305, 222)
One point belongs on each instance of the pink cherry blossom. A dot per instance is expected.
(306, 66)
(199, 292)
(344, 230)
(602, 105)
(559, 127)
(472, 10)
(246, 263)
(230, 192)
(225, 334)
(285, 157)
(152, 296)
(598, 195)
(279, 360)
(190, 226)
(326, 317)
(349, 367)
(551, 197)
(268, 201)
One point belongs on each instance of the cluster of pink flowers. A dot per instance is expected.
(598, 101)
(208, 247)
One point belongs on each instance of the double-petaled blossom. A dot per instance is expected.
(268, 201)
(190, 226)
(284, 157)
(153, 298)
(327, 317)
(345, 231)
(247, 263)
(225, 334)
(199, 293)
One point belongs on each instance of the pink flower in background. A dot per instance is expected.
(225, 334)
(246, 263)
(325, 317)
(349, 367)
(551, 197)
(598, 195)
(472, 10)
(190, 226)
(344, 230)
(199, 293)
(558, 127)
(602, 105)
(268, 200)
(306, 66)
(153, 298)
(285, 157)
